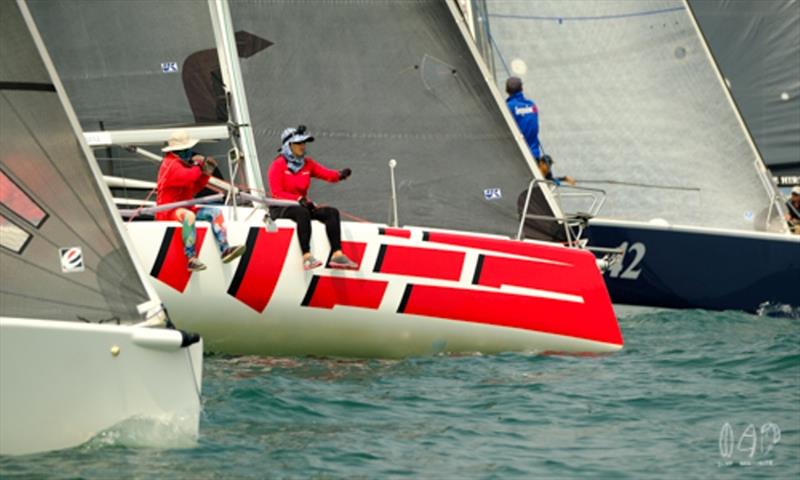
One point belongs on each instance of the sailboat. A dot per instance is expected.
(631, 102)
(82, 343)
(450, 281)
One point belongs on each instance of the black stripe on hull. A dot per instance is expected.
(406, 294)
(379, 260)
(310, 292)
(162, 251)
(241, 269)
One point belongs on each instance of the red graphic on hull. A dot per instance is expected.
(526, 249)
(260, 267)
(420, 262)
(497, 271)
(353, 250)
(170, 264)
(525, 312)
(327, 292)
(394, 232)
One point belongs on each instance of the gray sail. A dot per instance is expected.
(372, 80)
(380, 80)
(62, 255)
(122, 62)
(629, 101)
(757, 47)
(135, 64)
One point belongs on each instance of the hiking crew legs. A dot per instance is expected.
(302, 217)
(189, 232)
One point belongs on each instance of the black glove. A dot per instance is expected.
(343, 174)
(307, 204)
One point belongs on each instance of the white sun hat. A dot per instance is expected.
(179, 140)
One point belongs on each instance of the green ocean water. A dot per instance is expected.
(694, 394)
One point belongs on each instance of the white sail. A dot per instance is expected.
(630, 101)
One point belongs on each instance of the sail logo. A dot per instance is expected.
(169, 67)
(492, 194)
(71, 259)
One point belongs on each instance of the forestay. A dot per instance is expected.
(62, 255)
(630, 102)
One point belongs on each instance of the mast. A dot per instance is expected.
(241, 129)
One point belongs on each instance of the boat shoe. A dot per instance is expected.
(232, 253)
(311, 263)
(195, 265)
(341, 261)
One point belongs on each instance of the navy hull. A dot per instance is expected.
(677, 267)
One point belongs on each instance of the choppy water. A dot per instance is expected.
(693, 395)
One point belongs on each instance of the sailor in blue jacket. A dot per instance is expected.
(525, 114)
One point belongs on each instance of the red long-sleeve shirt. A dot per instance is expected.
(287, 185)
(177, 182)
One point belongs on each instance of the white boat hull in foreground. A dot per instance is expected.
(62, 383)
(416, 292)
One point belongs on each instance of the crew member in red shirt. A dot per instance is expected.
(182, 174)
(289, 178)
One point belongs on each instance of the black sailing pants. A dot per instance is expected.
(302, 217)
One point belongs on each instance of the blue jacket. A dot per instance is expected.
(527, 117)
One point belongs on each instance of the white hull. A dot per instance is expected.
(60, 384)
(412, 295)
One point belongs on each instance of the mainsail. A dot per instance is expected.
(62, 256)
(380, 80)
(631, 102)
(757, 47)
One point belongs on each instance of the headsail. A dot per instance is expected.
(63, 255)
(631, 102)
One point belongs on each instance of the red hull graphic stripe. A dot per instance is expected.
(354, 250)
(534, 250)
(584, 281)
(260, 267)
(394, 232)
(497, 271)
(420, 262)
(170, 264)
(511, 310)
(327, 292)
